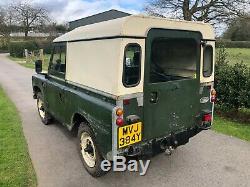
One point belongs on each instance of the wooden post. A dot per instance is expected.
(32, 56)
(41, 55)
(26, 53)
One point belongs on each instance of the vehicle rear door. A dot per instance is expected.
(171, 82)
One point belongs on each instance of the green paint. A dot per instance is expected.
(171, 106)
(64, 100)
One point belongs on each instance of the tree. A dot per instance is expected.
(29, 15)
(2, 15)
(238, 30)
(4, 29)
(199, 10)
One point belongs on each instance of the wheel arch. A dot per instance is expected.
(77, 119)
(36, 90)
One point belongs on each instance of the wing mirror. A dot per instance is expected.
(38, 66)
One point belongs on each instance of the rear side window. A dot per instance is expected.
(208, 61)
(132, 65)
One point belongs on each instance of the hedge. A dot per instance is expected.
(233, 44)
(232, 84)
(16, 48)
(4, 44)
(46, 45)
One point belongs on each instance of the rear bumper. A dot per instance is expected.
(157, 145)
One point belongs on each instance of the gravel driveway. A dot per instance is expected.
(209, 159)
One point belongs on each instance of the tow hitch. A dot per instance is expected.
(169, 150)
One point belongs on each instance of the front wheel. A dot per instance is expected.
(90, 155)
(44, 115)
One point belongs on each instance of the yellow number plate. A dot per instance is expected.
(129, 134)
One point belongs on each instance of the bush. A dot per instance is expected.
(233, 44)
(16, 48)
(4, 44)
(46, 45)
(232, 83)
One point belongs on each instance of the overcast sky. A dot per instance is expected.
(67, 10)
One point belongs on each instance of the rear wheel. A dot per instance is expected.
(90, 155)
(44, 115)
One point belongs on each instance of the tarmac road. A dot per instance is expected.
(209, 159)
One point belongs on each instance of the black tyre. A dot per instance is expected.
(89, 153)
(44, 115)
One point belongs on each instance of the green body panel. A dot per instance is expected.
(54, 98)
(178, 102)
(176, 110)
(133, 109)
(64, 101)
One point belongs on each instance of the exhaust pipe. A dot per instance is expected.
(169, 150)
(164, 144)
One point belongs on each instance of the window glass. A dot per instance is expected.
(173, 59)
(208, 61)
(132, 65)
(58, 61)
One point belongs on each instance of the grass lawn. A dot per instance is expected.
(15, 164)
(231, 128)
(31, 64)
(238, 55)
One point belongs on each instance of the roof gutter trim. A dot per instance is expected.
(103, 38)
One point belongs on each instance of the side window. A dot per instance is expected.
(208, 61)
(58, 61)
(132, 65)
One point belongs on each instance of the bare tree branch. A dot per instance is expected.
(212, 11)
(29, 15)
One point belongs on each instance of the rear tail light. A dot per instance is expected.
(207, 118)
(119, 121)
(119, 117)
(213, 95)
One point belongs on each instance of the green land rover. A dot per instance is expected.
(132, 86)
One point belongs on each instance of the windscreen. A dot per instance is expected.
(173, 59)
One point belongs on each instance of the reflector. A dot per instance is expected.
(119, 121)
(207, 118)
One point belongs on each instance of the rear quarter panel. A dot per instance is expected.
(96, 109)
(38, 81)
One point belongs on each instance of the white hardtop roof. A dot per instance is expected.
(134, 26)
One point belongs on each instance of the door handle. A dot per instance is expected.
(176, 87)
(153, 97)
(61, 96)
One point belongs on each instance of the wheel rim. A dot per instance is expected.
(41, 108)
(88, 149)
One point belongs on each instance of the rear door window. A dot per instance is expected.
(208, 61)
(173, 59)
(132, 65)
